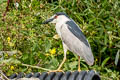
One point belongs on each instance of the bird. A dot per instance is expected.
(72, 38)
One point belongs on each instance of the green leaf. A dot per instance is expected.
(73, 65)
(1, 1)
(105, 61)
(117, 57)
(105, 39)
(53, 64)
(10, 61)
(1, 45)
(84, 65)
(47, 45)
(103, 49)
(42, 56)
(26, 55)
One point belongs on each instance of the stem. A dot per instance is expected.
(4, 75)
(8, 2)
(35, 67)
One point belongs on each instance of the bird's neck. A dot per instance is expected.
(59, 25)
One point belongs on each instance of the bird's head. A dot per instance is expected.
(59, 16)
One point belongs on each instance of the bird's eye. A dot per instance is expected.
(56, 17)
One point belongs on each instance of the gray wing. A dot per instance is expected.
(77, 32)
(76, 42)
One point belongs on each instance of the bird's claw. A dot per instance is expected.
(55, 71)
(79, 70)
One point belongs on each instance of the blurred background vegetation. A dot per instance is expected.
(38, 45)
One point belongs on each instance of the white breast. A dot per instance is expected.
(60, 21)
(58, 26)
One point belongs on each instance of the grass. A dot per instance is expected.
(22, 30)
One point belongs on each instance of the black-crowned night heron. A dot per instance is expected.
(72, 38)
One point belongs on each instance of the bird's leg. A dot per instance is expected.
(60, 66)
(65, 51)
(79, 63)
(62, 63)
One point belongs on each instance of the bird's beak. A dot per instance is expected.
(48, 20)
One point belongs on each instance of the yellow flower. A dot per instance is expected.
(52, 51)
(56, 36)
(6, 55)
(8, 39)
(47, 54)
(12, 68)
(14, 55)
(96, 59)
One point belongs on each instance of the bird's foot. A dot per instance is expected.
(79, 70)
(56, 71)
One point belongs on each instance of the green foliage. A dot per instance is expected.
(1, 1)
(22, 30)
(104, 62)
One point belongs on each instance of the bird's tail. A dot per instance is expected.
(88, 56)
